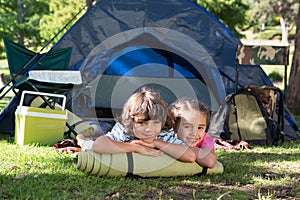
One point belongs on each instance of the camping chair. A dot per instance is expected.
(259, 55)
(18, 57)
(21, 61)
(270, 96)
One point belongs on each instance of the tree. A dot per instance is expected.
(285, 10)
(20, 20)
(230, 12)
(61, 13)
(293, 89)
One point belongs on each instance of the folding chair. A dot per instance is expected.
(21, 62)
(18, 57)
(268, 55)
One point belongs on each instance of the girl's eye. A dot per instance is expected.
(200, 128)
(187, 126)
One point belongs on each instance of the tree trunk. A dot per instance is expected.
(293, 89)
(20, 21)
(284, 31)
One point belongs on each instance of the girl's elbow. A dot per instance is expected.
(191, 158)
(211, 164)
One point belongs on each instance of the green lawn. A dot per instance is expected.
(39, 172)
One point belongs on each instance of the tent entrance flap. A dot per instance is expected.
(112, 91)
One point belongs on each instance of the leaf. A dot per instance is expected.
(22, 175)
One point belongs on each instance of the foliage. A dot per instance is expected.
(273, 12)
(275, 76)
(34, 22)
(20, 20)
(39, 172)
(61, 13)
(230, 12)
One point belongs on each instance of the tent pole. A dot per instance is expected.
(237, 70)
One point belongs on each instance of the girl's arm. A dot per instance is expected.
(205, 157)
(104, 144)
(179, 151)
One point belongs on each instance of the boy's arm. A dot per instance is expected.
(206, 157)
(104, 144)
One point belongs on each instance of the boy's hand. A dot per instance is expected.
(146, 148)
(140, 142)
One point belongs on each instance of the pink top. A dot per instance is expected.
(206, 142)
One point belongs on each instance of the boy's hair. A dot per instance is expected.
(178, 107)
(147, 102)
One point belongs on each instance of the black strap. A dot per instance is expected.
(130, 164)
(204, 171)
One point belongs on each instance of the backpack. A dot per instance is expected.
(243, 116)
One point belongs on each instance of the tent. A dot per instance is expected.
(174, 46)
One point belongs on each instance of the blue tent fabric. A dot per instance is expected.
(108, 18)
(179, 38)
(175, 46)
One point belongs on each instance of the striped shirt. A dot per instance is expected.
(118, 134)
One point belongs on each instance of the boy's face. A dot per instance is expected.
(191, 127)
(146, 130)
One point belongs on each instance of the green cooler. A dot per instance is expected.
(39, 125)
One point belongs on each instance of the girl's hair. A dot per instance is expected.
(178, 107)
(149, 103)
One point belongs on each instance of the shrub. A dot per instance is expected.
(275, 76)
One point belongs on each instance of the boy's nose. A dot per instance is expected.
(149, 126)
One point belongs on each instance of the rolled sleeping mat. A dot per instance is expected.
(127, 164)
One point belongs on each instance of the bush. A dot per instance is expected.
(275, 76)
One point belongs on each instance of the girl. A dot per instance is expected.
(190, 120)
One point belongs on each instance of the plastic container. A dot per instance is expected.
(39, 125)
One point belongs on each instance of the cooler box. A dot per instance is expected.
(39, 125)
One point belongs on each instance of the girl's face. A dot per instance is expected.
(146, 130)
(191, 128)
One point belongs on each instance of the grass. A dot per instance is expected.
(39, 172)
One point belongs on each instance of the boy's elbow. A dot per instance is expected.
(97, 144)
(94, 148)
